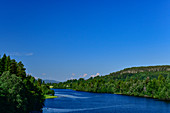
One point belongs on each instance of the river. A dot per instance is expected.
(85, 102)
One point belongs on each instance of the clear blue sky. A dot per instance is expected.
(61, 39)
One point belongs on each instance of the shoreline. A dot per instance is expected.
(145, 96)
(49, 96)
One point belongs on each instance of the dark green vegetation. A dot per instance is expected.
(152, 81)
(20, 93)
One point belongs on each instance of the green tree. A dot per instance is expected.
(21, 70)
(14, 91)
(2, 64)
(13, 67)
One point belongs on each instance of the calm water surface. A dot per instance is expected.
(85, 102)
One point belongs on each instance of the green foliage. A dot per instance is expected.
(20, 93)
(152, 81)
(14, 92)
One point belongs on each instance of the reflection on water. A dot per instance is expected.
(84, 102)
(69, 96)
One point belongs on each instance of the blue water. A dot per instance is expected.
(85, 102)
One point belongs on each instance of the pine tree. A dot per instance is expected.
(2, 64)
(7, 63)
(21, 70)
(13, 67)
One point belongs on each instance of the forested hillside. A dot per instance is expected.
(144, 69)
(152, 81)
(20, 93)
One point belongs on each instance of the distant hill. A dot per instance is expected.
(144, 69)
(50, 81)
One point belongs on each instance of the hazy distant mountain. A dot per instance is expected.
(50, 81)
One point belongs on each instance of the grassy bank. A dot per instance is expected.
(51, 86)
(49, 96)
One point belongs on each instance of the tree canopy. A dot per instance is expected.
(20, 93)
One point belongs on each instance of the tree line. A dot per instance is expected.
(154, 84)
(20, 93)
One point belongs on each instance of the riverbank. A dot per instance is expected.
(49, 96)
(142, 96)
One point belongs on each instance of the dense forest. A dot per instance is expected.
(20, 93)
(151, 81)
